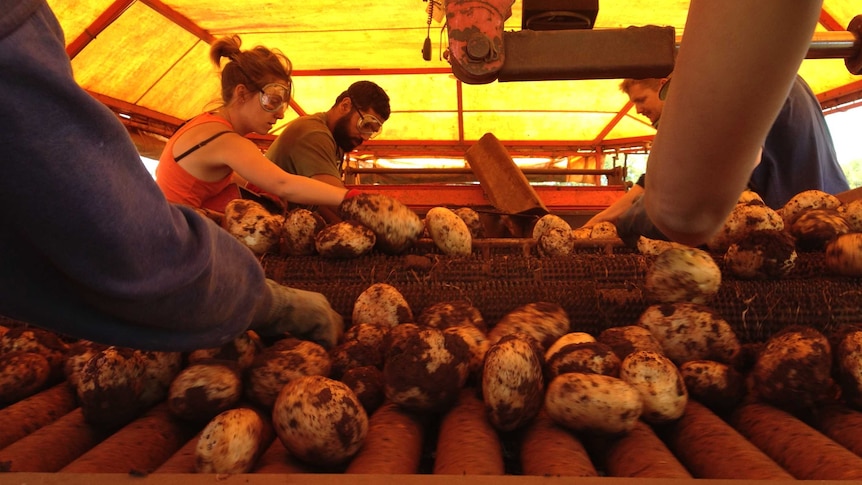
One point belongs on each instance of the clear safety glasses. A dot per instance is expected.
(274, 97)
(368, 125)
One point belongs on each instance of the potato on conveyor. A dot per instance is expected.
(848, 364)
(626, 339)
(372, 334)
(556, 241)
(585, 357)
(300, 228)
(232, 441)
(367, 383)
(512, 382)
(654, 247)
(381, 303)
(545, 322)
(344, 240)
(22, 374)
(742, 220)
(276, 366)
(160, 369)
(425, 370)
(593, 403)
(396, 226)
(793, 369)
(764, 254)
(77, 356)
(201, 391)
(44, 342)
(804, 201)
(250, 223)
(569, 338)
(547, 222)
(844, 255)
(852, 213)
(660, 384)
(603, 230)
(688, 331)
(319, 420)
(716, 385)
(749, 196)
(473, 221)
(241, 350)
(682, 274)
(354, 353)
(815, 228)
(477, 342)
(447, 314)
(110, 385)
(449, 232)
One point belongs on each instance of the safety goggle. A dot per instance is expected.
(368, 125)
(274, 97)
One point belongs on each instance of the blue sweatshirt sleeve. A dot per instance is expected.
(90, 247)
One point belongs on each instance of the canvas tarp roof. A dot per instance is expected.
(148, 59)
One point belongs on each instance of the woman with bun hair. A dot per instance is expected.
(208, 158)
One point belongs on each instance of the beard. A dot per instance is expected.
(341, 133)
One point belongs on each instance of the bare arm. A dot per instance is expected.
(615, 210)
(736, 63)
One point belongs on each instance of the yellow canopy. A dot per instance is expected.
(148, 60)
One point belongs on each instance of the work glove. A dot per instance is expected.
(303, 314)
(635, 223)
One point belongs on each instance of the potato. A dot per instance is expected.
(202, 391)
(742, 220)
(22, 374)
(241, 350)
(556, 241)
(512, 382)
(344, 240)
(682, 274)
(447, 314)
(603, 230)
(761, 255)
(300, 228)
(44, 342)
(547, 222)
(793, 369)
(654, 247)
(586, 358)
(805, 200)
(815, 228)
(449, 232)
(110, 386)
(372, 334)
(250, 223)
(354, 353)
(473, 221)
(716, 385)
(394, 224)
(232, 442)
(367, 383)
(275, 367)
(319, 420)
(852, 213)
(593, 403)
(381, 303)
(629, 338)
(77, 356)
(688, 331)
(660, 384)
(848, 365)
(750, 197)
(160, 369)
(477, 342)
(569, 338)
(844, 255)
(426, 370)
(582, 232)
(545, 322)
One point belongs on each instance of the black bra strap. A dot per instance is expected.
(190, 150)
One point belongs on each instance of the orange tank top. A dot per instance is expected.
(181, 187)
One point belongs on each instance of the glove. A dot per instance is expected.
(635, 223)
(304, 314)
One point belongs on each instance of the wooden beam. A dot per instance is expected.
(102, 22)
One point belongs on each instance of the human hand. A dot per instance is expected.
(304, 314)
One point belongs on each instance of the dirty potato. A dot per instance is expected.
(660, 384)
(593, 403)
(844, 255)
(473, 221)
(449, 232)
(396, 226)
(688, 331)
(762, 255)
(682, 274)
(512, 382)
(742, 220)
(251, 224)
(556, 241)
(232, 442)
(548, 221)
(344, 240)
(804, 201)
(300, 228)
(545, 322)
(381, 303)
